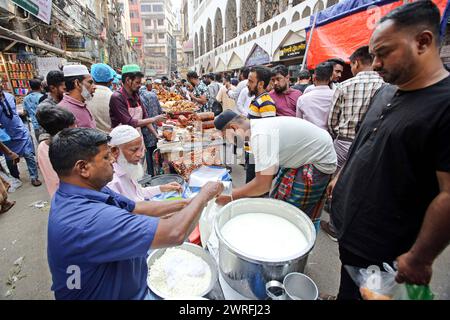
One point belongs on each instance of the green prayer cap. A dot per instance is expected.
(131, 68)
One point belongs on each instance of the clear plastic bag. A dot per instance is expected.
(375, 284)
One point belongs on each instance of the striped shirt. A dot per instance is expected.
(351, 102)
(262, 107)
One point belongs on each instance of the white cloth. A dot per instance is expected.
(314, 106)
(234, 94)
(123, 134)
(75, 70)
(290, 142)
(243, 102)
(99, 107)
(125, 186)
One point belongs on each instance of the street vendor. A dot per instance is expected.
(125, 105)
(97, 239)
(127, 148)
(294, 155)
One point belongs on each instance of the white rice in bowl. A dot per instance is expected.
(180, 273)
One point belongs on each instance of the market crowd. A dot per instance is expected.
(373, 150)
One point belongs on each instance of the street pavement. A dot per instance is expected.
(23, 234)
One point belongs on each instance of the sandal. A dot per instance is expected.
(36, 182)
(7, 206)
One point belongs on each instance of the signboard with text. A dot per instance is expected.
(258, 57)
(293, 51)
(75, 44)
(42, 9)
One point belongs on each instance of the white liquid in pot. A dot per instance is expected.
(264, 236)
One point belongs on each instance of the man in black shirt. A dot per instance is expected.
(304, 81)
(392, 198)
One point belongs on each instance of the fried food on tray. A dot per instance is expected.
(181, 106)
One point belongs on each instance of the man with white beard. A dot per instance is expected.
(127, 147)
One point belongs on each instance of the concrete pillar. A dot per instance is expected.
(259, 12)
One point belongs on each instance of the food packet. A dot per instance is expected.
(375, 284)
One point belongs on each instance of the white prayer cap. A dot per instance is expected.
(75, 70)
(123, 134)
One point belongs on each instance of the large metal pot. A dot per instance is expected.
(198, 251)
(249, 275)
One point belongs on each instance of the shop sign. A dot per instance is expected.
(293, 50)
(42, 9)
(258, 57)
(75, 44)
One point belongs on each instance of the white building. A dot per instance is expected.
(230, 34)
(158, 21)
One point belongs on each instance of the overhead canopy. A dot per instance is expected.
(349, 24)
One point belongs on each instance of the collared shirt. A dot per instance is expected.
(286, 102)
(50, 177)
(125, 186)
(389, 180)
(262, 107)
(96, 236)
(225, 100)
(30, 104)
(118, 108)
(150, 101)
(202, 90)
(83, 116)
(48, 102)
(350, 103)
(20, 142)
(244, 102)
(314, 106)
(99, 107)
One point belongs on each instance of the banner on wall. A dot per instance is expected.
(42, 9)
(348, 25)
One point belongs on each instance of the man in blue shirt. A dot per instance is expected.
(20, 142)
(97, 239)
(30, 104)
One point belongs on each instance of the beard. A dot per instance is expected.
(86, 94)
(252, 93)
(279, 89)
(133, 171)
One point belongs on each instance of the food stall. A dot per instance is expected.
(189, 139)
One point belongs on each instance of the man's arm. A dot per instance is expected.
(234, 93)
(335, 113)
(415, 266)
(120, 112)
(259, 186)
(299, 111)
(202, 100)
(12, 155)
(174, 230)
(159, 209)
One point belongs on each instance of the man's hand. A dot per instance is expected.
(223, 200)
(160, 118)
(173, 186)
(212, 190)
(14, 157)
(413, 270)
(331, 186)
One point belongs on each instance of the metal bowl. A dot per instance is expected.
(199, 252)
(249, 275)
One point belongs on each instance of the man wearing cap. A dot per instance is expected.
(98, 240)
(127, 148)
(125, 106)
(79, 87)
(294, 159)
(103, 76)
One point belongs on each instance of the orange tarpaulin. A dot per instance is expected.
(340, 38)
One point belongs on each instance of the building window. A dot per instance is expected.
(146, 8)
(147, 22)
(149, 36)
(160, 22)
(135, 27)
(133, 1)
(161, 35)
(158, 8)
(134, 14)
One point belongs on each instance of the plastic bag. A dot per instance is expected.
(206, 222)
(375, 284)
